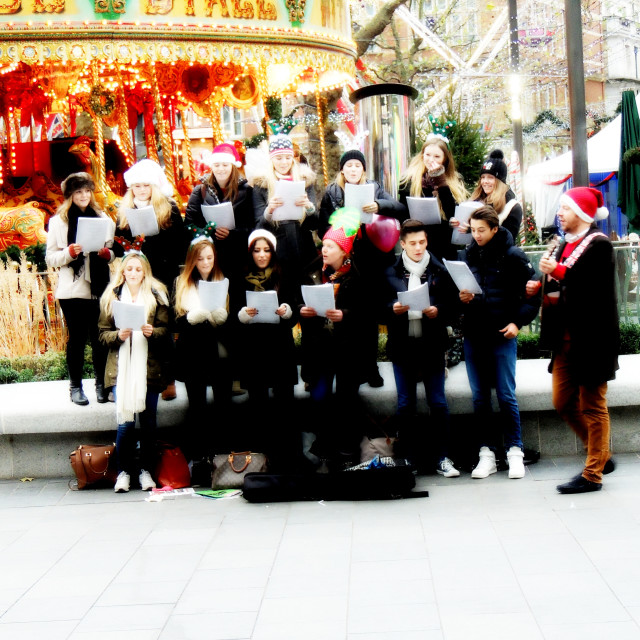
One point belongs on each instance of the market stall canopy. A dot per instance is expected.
(603, 151)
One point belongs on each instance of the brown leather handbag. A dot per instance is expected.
(230, 469)
(94, 463)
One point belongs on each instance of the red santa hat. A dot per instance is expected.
(225, 152)
(586, 203)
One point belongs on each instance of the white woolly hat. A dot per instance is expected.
(262, 233)
(148, 172)
(586, 203)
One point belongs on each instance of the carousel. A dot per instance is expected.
(98, 85)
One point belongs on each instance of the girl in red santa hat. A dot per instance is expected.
(225, 184)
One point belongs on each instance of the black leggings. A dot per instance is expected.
(81, 317)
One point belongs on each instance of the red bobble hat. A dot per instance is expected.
(586, 203)
(225, 152)
(338, 235)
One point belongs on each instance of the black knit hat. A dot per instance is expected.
(352, 154)
(495, 165)
(75, 181)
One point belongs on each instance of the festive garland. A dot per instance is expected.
(541, 118)
(632, 156)
(102, 101)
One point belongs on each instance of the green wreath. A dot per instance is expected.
(102, 101)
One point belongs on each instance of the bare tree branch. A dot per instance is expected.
(376, 25)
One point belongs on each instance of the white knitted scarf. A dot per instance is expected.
(416, 270)
(131, 383)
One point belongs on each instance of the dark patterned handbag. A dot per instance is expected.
(230, 469)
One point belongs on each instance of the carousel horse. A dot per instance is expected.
(38, 190)
(22, 226)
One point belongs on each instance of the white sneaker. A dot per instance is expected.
(486, 465)
(446, 469)
(515, 458)
(146, 481)
(122, 482)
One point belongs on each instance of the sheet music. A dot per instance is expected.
(320, 297)
(266, 302)
(92, 234)
(213, 295)
(417, 299)
(221, 214)
(143, 222)
(462, 276)
(427, 210)
(128, 316)
(358, 195)
(462, 213)
(289, 191)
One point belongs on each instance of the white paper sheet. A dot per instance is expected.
(221, 214)
(462, 276)
(213, 295)
(92, 234)
(289, 191)
(320, 297)
(462, 213)
(143, 222)
(416, 299)
(266, 302)
(358, 195)
(426, 210)
(128, 316)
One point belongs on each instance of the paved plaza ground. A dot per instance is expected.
(494, 558)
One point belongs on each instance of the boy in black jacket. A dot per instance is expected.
(492, 320)
(418, 340)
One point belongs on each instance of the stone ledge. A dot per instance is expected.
(44, 407)
(39, 426)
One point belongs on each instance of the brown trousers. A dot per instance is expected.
(584, 409)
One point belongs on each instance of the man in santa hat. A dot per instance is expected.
(580, 326)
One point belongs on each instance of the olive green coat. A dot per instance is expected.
(159, 346)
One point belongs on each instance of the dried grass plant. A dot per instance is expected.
(30, 320)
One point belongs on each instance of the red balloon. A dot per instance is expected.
(383, 232)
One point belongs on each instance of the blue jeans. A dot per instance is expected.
(406, 376)
(492, 364)
(126, 438)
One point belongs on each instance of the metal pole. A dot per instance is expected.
(575, 70)
(514, 52)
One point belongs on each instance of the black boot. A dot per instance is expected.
(77, 396)
(101, 395)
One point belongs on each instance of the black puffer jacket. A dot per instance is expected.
(334, 347)
(232, 249)
(334, 199)
(502, 271)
